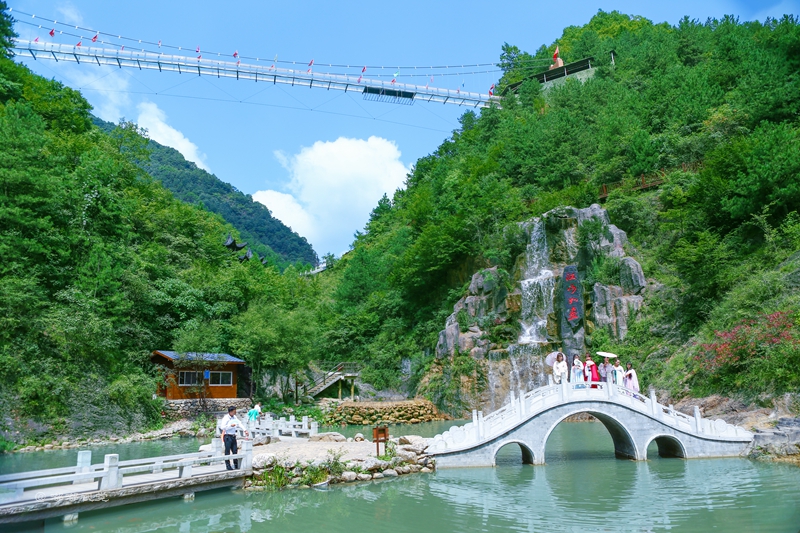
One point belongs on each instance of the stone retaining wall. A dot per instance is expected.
(178, 409)
(367, 413)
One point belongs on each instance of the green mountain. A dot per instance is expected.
(265, 234)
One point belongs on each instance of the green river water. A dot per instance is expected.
(582, 488)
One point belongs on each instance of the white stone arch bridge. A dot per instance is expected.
(633, 420)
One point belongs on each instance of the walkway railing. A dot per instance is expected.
(266, 426)
(524, 406)
(112, 473)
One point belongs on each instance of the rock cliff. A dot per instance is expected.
(573, 279)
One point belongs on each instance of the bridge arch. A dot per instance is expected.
(527, 454)
(668, 446)
(624, 444)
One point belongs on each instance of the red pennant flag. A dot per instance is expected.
(79, 43)
(363, 70)
(36, 40)
(394, 80)
(491, 90)
(555, 55)
(308, 71)
(311, 63)
(238, 62)
(199, 58)
(197, 50)
(359, 79)
(123, 48)
(159, 43)
(236, 53)
(52, 32)
(272, 67)
(94, 39)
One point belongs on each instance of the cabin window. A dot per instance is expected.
(221, 378)
(187, 379)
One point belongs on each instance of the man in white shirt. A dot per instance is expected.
(228, 425)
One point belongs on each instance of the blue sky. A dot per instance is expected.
(319, 160)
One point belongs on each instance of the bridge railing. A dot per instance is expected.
(526, 405)
(108, 475)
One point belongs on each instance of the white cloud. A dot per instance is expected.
(155, 120)
(334, 186)
(108, 93)
(69, 13)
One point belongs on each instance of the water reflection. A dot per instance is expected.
(582, 488)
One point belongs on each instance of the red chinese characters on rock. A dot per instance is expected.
(570, 276)
(573, 313)
(572, 289)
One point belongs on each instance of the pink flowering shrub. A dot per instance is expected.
(757, 356)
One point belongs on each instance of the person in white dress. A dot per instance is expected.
(560, 369)
(617, 373)
(577, 370)
(631, 380)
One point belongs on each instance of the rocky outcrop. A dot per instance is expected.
(369, 413)
(613, 309)
(549, 301)
(486, 296)
(781, 441)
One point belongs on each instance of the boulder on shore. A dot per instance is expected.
(331, 436)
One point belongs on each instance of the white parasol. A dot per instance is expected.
(608, 354)
(551, 358)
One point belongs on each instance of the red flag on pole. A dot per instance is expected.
(122, 48)
(52, 32)
(555, 55)
(236, 53)
(197, 50)
(36, 40)
(491, 90)
(311, 63)
(94, 39)
(79, 43)
(359, 79)
(199, 58)
(363, 70)
(159, 43)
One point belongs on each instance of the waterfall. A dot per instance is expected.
(523, 370)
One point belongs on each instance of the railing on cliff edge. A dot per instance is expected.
(646, 181)
(347, 369)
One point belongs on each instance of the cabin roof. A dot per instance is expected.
(195, 356)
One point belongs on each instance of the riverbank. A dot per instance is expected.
(331, 459)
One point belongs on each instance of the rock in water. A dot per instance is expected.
(331, 436)
(389, 472)
(349, 477)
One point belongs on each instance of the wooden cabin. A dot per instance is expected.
(193, 375)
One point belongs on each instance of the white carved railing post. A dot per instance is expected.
(609, 389)
(549, 379)
(654, 402)
(216, 446)
(475, 417)
(247, 462)
(698, 420)
(314, 428)
(111, 478)
(481, 430)
(562, 390)
(84, 464)
(521, 405)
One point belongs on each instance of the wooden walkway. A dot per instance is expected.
(41, 494)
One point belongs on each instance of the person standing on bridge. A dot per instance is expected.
(559, 369)
(590, 370)
(229, 424)
(605, 370)
(252, 415)
(577, 370)
(618, 373)
(631, 380)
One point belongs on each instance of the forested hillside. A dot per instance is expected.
(102, 265)
(714, 104)
(265, 234)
